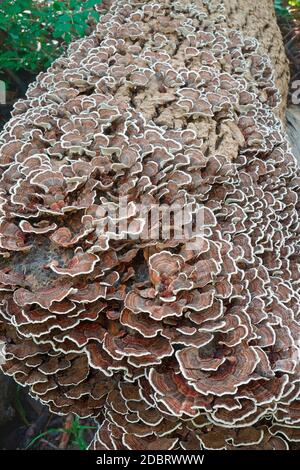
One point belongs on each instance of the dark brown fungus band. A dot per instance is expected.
(166, 346)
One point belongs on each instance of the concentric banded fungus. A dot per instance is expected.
(168, 346)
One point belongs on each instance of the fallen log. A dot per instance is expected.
(187, 341)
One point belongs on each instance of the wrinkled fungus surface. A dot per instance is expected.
(168, 347)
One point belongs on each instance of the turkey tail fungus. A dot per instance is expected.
(168, 347)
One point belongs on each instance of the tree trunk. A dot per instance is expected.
(257, 19)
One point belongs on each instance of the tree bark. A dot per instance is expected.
(189, 89)
(257, 19)
(6, 409)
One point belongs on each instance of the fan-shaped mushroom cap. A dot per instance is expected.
(172, 346)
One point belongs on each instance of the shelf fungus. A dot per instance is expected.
(168, 342)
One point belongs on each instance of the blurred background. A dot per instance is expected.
(32, 34)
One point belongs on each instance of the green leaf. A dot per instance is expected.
(95, 15)
(91, 3)
(81, 16)
(61, 28)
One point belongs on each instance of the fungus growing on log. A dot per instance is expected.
(168, 346)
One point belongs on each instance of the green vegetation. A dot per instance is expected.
(19, 406)
(283, 7)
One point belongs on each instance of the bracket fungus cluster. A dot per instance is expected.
(166, 346)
